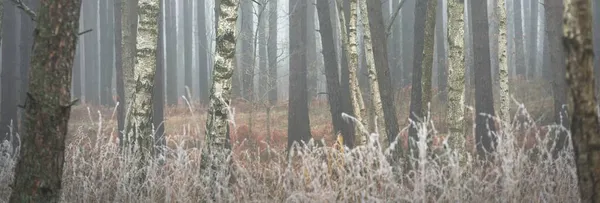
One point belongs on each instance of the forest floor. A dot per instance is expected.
(91, 173)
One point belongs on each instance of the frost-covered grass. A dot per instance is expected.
(522, 171)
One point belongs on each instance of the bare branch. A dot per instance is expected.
(393, 18)
(86, 31)
(20, 4)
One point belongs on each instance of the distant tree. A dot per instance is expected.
(577, 36)
(138, 137)
(299, 128)
(484, 98)
(119, 70)
(215, 155)
(203, 50)
(272, 51)
(106, 61)
(188, 14)
(520, 68)
(39, 169)
(90, 17)
(532, 39)
(456, 76)
(247, 52)
(158, 92)
(10, 72)
(171, 52)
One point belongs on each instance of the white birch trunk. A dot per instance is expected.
(456, 75)
(503, 63)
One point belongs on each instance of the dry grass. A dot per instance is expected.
(521, 172)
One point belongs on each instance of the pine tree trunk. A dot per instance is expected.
(503, 64)
(456, 76)
(39, 169)
(216, 151)
(272, 52)
(139, 121)
(585, 131)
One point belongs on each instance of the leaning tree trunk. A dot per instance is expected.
(39, 170)
(456, 76)
(374, 85)
(580, 77)
(349, 43)
(503, 64)
(138, 136)
(215, 155)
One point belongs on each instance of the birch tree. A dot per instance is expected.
(577, 35)
(216, 146)
(456, 75)
(39, 169)
(138, 136)
(503, 65)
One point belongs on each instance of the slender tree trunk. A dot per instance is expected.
(520, 68)
(188, 19)
(311, 51)
(331, 72)
(10, 72)
(39, 169)
(172, 53)
(299, 128)
(203, 50)
(91, 66)
(484, 99)
(349, 42)
(503, 63)
(272, 52)
(106, 54)
(532, 39)
(456, 76)
(216, 152)
(246, 37)
(383, 70)
(158, 94)
(441, 53)
(139, 121)
(119, 70)
(580, 55)
(372, 71)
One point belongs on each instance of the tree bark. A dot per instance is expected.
(384, 80)
(298, 118)
(577, 35)
(596, 41)
(503, 63)
(215, 155)
(331, 72)
(484, 98)
(456, 76)
(428, 51)
(139, 120)
(39, 169)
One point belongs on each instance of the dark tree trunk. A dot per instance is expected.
(556, 59)
(40, 166)
(520, 68)
(416, 108)
(596, 41)
(188, 21)
(532, 40)
(383, 71)
(158, 95)
(577, 40)
(298, 120)
(263, 67)
(25, 48)
(272, 49)
(203, 50)
(332, 73)
(395, 51)
(408, 43)
(119, 70)
(484, 100)
(345, 74)
(246, 36)
(10, 71)
(91, 40)
(441, 54)
(171, 51)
